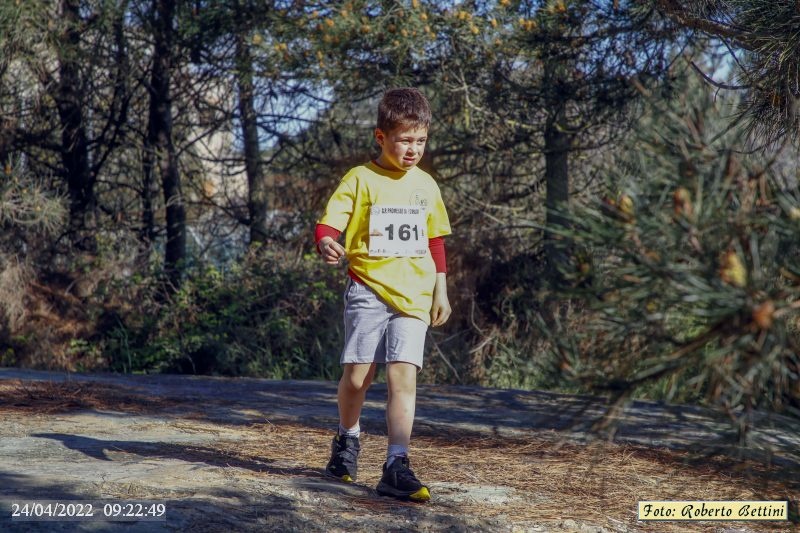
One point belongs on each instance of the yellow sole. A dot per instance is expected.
(422, 495)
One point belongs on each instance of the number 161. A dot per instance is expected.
(403, 232)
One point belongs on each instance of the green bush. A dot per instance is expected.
(267, 316)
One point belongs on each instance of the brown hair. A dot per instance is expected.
(404, 106)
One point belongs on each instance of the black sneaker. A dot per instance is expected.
(399, 481)
(344, 458)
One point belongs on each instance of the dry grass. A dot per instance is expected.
(41, 397)
(14, 278)
(50, 321)
(599, 483)
(550, 480)
(48, 317)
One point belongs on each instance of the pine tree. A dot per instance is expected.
(763, 43)
(688, 268)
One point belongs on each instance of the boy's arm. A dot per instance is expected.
(330, 250)
(337, 215)
(440, 311)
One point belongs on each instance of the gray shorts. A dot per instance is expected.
(374, 332)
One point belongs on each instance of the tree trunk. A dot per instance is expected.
(6, 137)
(160, 139)
(257, 201)
(74, 143)
(147, 233)
(557, 144)
(149, 191)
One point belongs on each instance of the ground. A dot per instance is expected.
(228, 454)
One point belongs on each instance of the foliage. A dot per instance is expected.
(25, 203)
(269, 315)
(688, 270)
(497, 73)
(29, 215)
(763, 44)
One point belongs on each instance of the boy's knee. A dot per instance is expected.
(401, 377)
(357, 384)
(357, 379)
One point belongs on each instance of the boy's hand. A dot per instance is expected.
(331, 251)
(440, 311)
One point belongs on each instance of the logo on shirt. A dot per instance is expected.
(419, 197)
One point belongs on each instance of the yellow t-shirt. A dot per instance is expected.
(405, 283)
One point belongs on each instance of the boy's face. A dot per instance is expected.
(401, 147)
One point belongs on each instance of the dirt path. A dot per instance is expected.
(246, 455)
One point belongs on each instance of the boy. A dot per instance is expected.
(394, 220)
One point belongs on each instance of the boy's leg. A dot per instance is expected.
(405, 347)
(345, 447)
(398, 480)
(365, 319)
(401, 382)
(353, 386)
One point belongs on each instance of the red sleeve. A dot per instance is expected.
(323, 230)
(436, 246)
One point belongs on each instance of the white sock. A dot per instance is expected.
(354, 431)
(394, 451)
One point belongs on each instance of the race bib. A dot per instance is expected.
(397, 231)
